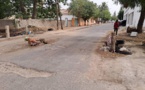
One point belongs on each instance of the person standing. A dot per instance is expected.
(116, 26)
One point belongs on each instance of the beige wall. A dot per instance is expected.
(33, 22)
(3, 23)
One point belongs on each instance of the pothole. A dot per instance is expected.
(6, 67)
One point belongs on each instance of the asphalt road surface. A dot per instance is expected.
(67, 64)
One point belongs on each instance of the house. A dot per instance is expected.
(132, 16)
(70, 20)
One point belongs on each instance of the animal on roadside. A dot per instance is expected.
(34, 42)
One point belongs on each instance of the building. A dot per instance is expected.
(70, 20)
(132, 16)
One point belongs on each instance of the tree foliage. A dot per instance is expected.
(6, 8)
(82, 9)
(114, 17)
(120, 14)
(29, 8)
(89, 10)
(104, 12)
(96, 13)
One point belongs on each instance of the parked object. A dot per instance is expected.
(123, 23)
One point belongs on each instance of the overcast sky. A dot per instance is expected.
(112, 7)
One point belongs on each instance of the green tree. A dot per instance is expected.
(6, 8)
(29, 8)
(76, 8)
(132, 4)
(114, 17)
(106, 15)
(120, 14)
(104, 12)
(82, 9)
(22, 8)
(88, 11)
(96, 14)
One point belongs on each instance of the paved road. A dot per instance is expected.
(67, 64)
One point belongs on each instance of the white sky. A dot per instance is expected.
(112, 7)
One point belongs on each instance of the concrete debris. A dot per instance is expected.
(119, 46)
(123, 49)
(133, 34)
(105, 48)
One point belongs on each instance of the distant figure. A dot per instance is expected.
(116, 26)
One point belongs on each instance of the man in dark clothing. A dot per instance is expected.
(116, 26)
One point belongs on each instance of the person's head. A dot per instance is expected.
(116, 20)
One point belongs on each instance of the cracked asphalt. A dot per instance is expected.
(72, 62)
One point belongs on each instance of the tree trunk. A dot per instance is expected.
(60, 16)
(113, 41)
(22, 7)
(85, 24)
(79, 21)
(56, 1)
(141, 21)
(34, 14)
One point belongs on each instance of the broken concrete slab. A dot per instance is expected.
(133, 34)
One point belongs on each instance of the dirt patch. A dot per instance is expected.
(6, 67)
(130, 42)
(125, 36)
(16, 47)
(51, 41)
(108, 54)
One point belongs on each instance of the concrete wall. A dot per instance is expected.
(69, 17)
(33, 22)
(3, 23)
(132, 16)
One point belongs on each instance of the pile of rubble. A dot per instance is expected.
(112, 44)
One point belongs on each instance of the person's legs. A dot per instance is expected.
(116, 31)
